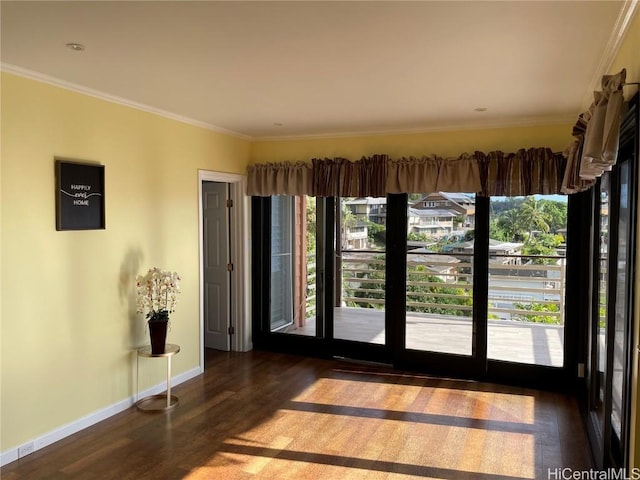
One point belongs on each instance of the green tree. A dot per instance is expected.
(557, 212)
(501, 205)
(372, 288)
(500, 231)
(311, 224)
(538, 312)
(347, 221)
(417, 237)
(544, 244)
(377, 234)
(533, 216)
(448, 295)
(509, 226)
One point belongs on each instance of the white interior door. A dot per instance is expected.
(216, 257)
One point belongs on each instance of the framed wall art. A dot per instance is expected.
(79, 196)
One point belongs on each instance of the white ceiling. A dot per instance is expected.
(321, 68)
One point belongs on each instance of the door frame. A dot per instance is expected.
(240, 257)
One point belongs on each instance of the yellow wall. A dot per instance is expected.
(68, 317)
(629, 57)
(445, 144)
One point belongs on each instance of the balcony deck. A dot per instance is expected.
(515, 341)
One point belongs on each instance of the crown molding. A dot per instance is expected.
(514, 123)
(74, 87)
(476, 125)
(627, 11)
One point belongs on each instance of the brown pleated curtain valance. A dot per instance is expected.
(525, 172)
(339, 177)
(283, 178)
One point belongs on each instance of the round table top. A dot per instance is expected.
(169, 350)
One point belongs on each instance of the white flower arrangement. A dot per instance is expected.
(157, 293)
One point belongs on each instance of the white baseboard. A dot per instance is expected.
(42, 441)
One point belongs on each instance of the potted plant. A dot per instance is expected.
(157, 295)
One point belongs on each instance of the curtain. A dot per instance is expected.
(283, 178)
(432, 174)
(339, 177)
(572, 182)
(601, 137)
(597, 130)
(526, 172)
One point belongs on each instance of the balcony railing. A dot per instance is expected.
(522, 288)
(310, 306)
(527, 288)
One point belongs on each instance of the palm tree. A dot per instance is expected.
(511, 223)
(533, 216)
(347, 221)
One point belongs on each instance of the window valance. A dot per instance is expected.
(285, 178)
(433, 174)
(525, 172)
(340, 177)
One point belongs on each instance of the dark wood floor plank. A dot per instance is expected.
(262, 415)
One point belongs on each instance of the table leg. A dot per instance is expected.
(168, 382)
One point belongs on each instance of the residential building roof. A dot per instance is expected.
(432, 212)
(367, 201)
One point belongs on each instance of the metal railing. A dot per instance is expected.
(310, 305)
(521, 287)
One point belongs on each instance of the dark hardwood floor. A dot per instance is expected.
(262, 415)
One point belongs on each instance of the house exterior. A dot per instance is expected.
(433, 222)
(369, 208)
(462, 204)
(361, 211)
(355, 237)
(505, 253)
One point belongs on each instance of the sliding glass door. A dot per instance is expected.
(360, 270)
(609, 363)
(440, 273)
(282, 271)
(527, 272)
(439, 282)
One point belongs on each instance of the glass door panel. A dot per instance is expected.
(527, 280)
(293, 265)
(622, 314)
(281, 311)
(440, 244)
(360, 263)
(611, 341)
(600, 337)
